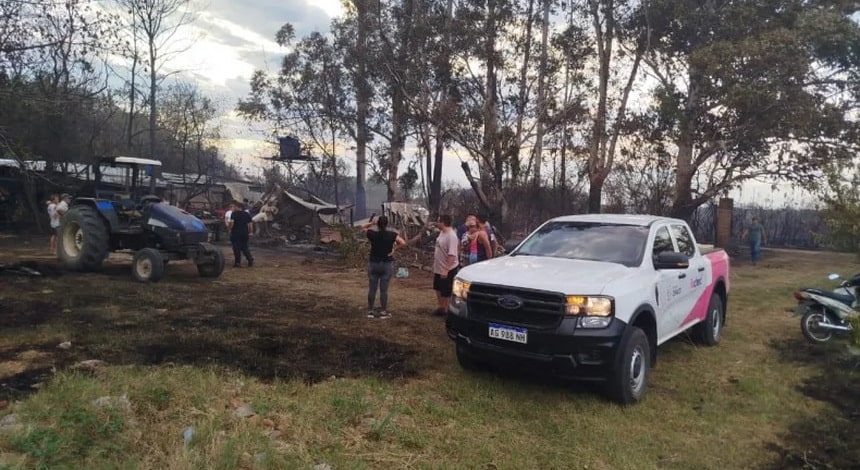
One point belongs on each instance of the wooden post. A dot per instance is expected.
(723, 223)
(315, 226)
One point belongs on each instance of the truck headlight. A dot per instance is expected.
(461, 289)
(589, 306)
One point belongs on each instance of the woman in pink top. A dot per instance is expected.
(476, 243)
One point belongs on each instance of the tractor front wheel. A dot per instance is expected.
(84, 241)
(148, 265)
(214, 266)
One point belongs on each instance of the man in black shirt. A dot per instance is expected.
(240, 227)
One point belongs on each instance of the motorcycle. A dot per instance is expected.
(824, 314)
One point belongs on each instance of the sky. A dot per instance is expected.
(230, 39)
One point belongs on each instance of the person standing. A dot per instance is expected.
(380, 268)
(55, 221)
(477, 244)
(486, 227)
(445, 263)
(463, 236)
(62, 208)
(755, 236)
(240, 227)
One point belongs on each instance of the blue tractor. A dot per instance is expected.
(133, 219)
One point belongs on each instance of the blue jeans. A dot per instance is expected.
(755, 250)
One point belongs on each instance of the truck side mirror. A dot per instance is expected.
(671, 260)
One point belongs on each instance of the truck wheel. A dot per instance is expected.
(148, 265)
(467, 362)
(628, 380)
(214, 267)
(710, 331)
(84, 241)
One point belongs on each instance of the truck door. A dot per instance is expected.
(693, 283)
(668, 287)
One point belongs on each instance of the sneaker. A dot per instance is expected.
(371, 314)
(384, 314)
(237, 265)
(251, 263)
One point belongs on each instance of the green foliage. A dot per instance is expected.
(80, 432)
(855, 333)
(765, 92)
(841, 212)
(158, 397)
(353, 248)
(349, 404)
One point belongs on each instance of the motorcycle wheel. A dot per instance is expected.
(810, 329)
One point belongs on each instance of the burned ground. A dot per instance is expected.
(287, 317)
(831, 439)
(764, 393)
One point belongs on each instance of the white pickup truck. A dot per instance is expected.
(590, 297)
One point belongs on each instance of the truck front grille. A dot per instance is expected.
(539, 309)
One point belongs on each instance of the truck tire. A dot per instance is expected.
(467, 362)
(213, 268)
(710, 331)
(628, 379)
(148, 265)
(84, 240)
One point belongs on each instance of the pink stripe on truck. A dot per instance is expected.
(719, 270)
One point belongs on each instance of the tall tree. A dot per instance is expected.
(156, 23)
(537, 158)
(358, 62)
(308, 98)
(763, 88)
(615, 77)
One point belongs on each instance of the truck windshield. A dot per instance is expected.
(612, 243)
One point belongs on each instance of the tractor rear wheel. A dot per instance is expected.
(84, 240)
(214, 267)
(148, 265)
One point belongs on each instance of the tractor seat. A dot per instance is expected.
(845, 299)
(124, 205)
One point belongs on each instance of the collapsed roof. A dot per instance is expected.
(297, 212)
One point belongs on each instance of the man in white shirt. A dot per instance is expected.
(55, 220)
(445, 263)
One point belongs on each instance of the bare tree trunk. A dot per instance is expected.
(132, 97)
(537, 156)
(523, 95)
(682, 204)
(436, 182)
(596, 162)
(153, 87)
(490, 146)
(362, 98)
(398, 129)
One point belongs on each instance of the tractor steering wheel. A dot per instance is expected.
(150, 199)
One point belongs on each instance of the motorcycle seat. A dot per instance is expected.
(845, 299)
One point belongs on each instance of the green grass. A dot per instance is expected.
(739, 405)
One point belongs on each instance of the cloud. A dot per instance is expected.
(265, 17)
(231, 39)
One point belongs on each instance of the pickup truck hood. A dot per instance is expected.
(568, 276)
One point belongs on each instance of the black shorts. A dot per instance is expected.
(445, 285)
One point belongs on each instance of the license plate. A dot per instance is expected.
(509, 333)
